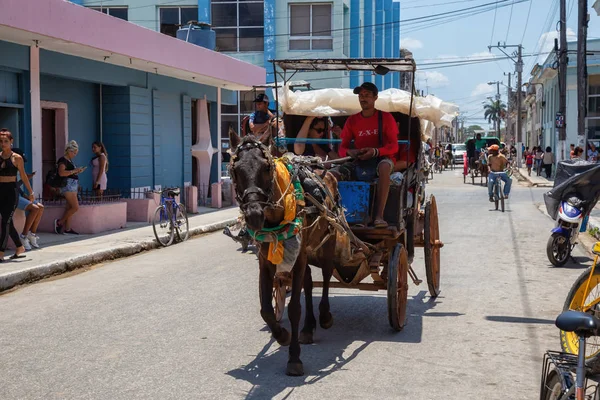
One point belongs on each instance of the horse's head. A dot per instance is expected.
(252, 173)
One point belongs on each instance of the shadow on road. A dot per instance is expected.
(358, 321)
(519, 320)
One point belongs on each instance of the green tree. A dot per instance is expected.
(494, 111)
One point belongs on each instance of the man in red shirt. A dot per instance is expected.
(374, 152)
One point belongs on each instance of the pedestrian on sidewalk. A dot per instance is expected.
(68, 170)
(577, 153)
(10, 164)
(548, 161)
(99, 168)
(572, 153)
(33, 211)
(539, 153)
(592, 153)
(529, 161)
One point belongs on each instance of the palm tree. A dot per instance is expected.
(495, 110)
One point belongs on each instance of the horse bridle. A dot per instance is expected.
(249, 143)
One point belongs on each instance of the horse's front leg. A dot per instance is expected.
(310, 323)
(267, 272)
(294, 366)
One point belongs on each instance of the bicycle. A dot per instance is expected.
(584, 296)
(558, 381)
(497, 189)
(171, 217)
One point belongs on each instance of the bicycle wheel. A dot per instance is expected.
(182, 227)
(552, 389)
(584, 296)
(162, 226)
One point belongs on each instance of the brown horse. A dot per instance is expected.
(253, 174)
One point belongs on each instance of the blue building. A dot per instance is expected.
(67, 72)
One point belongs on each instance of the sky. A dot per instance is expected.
(470, 36)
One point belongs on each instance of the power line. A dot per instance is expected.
(494, 24)
(527, 21)
(509, 21)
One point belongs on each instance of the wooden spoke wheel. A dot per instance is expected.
(432, 246)
(397, 287)
(278, 297)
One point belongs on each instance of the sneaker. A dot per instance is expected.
(33, 240)
(58, 228)
(72, 232)
(491, 199)
(25, 242)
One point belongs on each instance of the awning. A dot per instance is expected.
(67, 28)
(348, 64)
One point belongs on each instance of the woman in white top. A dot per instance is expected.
(548, 161)
(99, 168)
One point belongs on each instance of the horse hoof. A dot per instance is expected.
(326, 321)
(284, 338)
(306, 338)
(294, 369)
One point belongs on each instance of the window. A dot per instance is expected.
(593, 112)
(171, 18)
(239, 24)
(310, 27)
(117, 12)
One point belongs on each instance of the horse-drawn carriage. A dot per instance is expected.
(334, 230)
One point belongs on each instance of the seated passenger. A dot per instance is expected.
(259, 119)
(314, 128)
(407, 154)
(374, 151)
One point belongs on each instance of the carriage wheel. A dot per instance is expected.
(432, 247)
(397, 287)
(277, 298)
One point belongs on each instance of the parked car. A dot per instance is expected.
(458, 149)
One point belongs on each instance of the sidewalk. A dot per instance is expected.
(62, 253)
(534, 180)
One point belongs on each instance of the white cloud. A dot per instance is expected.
(546, 42)
(411, 44)
(483, 88)
(482, 55)
(434, 79)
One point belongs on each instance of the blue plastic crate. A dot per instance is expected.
(355, 200)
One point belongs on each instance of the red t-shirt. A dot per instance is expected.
(364, 132)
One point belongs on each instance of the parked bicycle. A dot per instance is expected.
(170, 218)
(584, 296)
(564, 375)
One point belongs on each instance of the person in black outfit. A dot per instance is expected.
(314, 128)
(10, 164)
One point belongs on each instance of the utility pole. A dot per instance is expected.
(562, 79)
(519, 69)
(509, 132)
(582, 77)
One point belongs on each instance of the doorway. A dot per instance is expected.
(48, 141)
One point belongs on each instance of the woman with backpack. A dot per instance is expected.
(68, 171)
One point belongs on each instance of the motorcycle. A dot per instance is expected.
(575, 193)
(569, 223)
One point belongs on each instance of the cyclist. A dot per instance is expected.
(437, 155)
(497, 165)
(448, 153)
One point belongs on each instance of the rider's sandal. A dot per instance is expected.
(379, 223)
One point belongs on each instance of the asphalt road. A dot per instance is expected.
(184, 323)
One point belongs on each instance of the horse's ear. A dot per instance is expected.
(265, 138)
(234, 139)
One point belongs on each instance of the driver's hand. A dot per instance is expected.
(352, 153)
(366, 154)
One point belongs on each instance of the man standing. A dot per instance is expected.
(496, 165)
(375, 136)
(259, 119)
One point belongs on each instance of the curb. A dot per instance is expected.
(521, 177)
(12, 279)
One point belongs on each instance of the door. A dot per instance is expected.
(48, 141)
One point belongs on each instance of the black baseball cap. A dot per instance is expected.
(20, 152)
(261, 98)
(367, 86)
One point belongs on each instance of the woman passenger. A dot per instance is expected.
(99, 168)
(10, 164)
(314, 128)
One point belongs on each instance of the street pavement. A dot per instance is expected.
(183, 322)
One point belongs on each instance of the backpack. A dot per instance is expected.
(53, 179)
